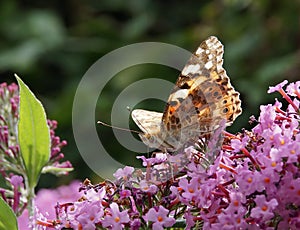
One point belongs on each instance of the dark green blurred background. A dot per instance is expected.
(51, 44)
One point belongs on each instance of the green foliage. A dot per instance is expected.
(33, 134)
(8, 219)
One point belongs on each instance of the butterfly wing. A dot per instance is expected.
(202, 96)
(148, 121)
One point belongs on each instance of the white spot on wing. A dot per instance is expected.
(208, 65)
(190, 69)
(182, 93)
(199, 51)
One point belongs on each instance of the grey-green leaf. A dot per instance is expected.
(8, 219)
(33, 134)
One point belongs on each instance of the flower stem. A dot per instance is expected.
(30, 204)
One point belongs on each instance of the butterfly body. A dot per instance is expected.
(201, 98)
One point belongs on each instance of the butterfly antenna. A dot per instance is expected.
(114, 127)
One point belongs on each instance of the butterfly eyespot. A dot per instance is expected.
(225, 102)
(216, 94)
(225, 110)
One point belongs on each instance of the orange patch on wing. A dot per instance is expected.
(172, 109)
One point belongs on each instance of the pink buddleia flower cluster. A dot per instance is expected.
(253, 182)
(45, 201)
(11, 162)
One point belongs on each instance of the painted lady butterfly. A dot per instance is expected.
(202, 97)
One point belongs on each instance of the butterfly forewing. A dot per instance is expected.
(148, 121)
(203, 92)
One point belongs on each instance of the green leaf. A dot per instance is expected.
(8, 219)
(33, 134)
